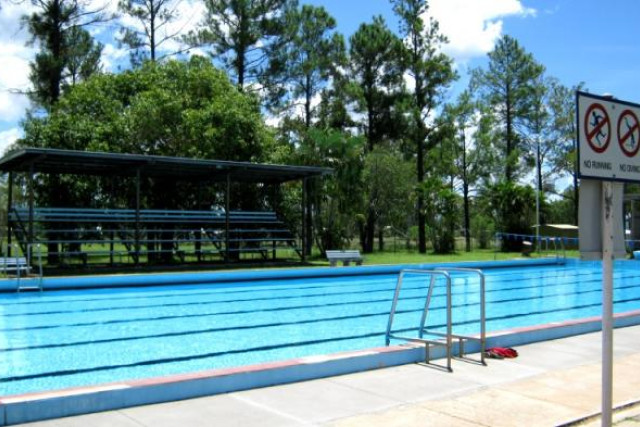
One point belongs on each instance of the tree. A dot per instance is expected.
(472, 154)
(387, 179)
(339, 194)
(240, 32)
(508, 85)
(299, 69)
(431, 72)
(441, 207)
(83, 59)
(67, 51)
(301, 66)
(187, 109)
(376, 89)
(564, 156)
(153, 16)
(512, 207)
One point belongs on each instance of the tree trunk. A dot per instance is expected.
(467, 219)
(508, 173)
(370, 231)
(539, 169)
(422, 219)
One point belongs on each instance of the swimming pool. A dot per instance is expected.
(70, 338)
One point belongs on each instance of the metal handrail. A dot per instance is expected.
(444, 272)
(483, 312)
(394, 305)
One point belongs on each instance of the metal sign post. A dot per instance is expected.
(608, 145)
(607, 302)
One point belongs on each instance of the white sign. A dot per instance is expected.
(608, 138)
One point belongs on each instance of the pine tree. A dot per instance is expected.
(509, 85)
(302, 65)
(375, 68)
(154, 16)
(240, 32)
(431, 72)
(67, 51)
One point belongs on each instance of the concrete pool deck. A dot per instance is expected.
(550, 383)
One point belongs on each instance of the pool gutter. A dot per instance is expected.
(75, 401)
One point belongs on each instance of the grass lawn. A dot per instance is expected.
(413, 257)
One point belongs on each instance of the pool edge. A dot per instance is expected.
(221, 277)
(82, 400)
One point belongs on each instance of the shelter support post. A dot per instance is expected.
(198, 235)
(303, 234)
(137, 230)
(9, 207)
(310, 199)
(31, 201)
(227, 205)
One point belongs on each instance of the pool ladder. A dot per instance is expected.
(445, 339)
(35, 281)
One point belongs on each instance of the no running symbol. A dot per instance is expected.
(598, 127)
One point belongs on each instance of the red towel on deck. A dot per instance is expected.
(505, 352)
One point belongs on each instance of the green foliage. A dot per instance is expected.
(341, 192)
(185, 109)
(388, 180)
(512, 208)
(302, 64)
(239, 33)
(564, 155)
(375, 87)
(432, 73)
(509, 87)
(483, 230)
(67, 52)
(375, 73)
(174, 109)
(440, 207)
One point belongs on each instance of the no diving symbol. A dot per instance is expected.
(629, 133)
(598, 128)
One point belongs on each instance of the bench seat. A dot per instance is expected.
(345, 256)
(14, 265)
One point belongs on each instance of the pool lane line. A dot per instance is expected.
(302, 322)
(179, 359)
(287, 308)
(308, 306)
(437, 294)
(218, 291)
(279, 297)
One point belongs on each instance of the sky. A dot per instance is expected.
(589, 41)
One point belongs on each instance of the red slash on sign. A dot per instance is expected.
(597, 127)
(629, 133)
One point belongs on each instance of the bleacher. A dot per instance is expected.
(118, 236)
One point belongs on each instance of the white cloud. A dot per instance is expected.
(112, 56)
(8, 137)
(473, 26)
(14, 57)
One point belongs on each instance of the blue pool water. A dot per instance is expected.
(60, 339)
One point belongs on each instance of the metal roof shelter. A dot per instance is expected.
(56, 161)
